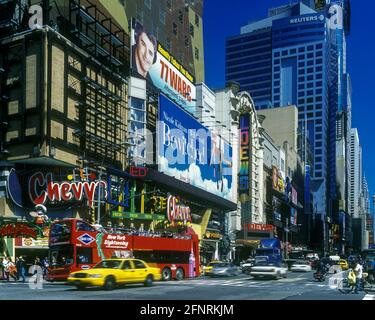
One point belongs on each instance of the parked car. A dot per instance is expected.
(112, 272)
(224, 269)
(301, 266)
(264, 268)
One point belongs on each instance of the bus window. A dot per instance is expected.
(84, 255)
(83, 226)
(61, 231)
(61, 255)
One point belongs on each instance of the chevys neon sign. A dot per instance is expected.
(61, 191)
(177, 211)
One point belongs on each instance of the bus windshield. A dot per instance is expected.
(61, 255)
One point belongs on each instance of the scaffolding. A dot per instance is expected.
(93, 31)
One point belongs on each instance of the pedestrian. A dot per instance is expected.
(44, 265)
(12, 269)
(6, 268)
(20, 264)
(358, 270)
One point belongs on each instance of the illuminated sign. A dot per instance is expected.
(213, 235)
(307, 19)
(258, 227)
(177, 211)
(243, 180)
(15, 230)
(41, 188)
(138, 171)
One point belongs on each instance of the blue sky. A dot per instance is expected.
(224, 18)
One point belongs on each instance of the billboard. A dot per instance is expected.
(151, 61)
(189, 152)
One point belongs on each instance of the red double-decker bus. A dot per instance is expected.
(77, 245)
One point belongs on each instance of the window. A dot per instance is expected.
(319, 76)
(319, 84)
(318, 174)
(277, 61)
(301, 64)
(310, 92)
(84, 255)
(138, 264)
(276, 83)
(197, 20)
(310, 100)
(318, 99)
(301, 94)
(276, 54)
(191, 30)
(301, 101)
(319, 91)
(309, 78)
(310, 85)
(310, 70)
(180, 16)
(310, 55)
(318, 151)
(169, 4)
(310, 62)
(276, 69)
(310, 48)
(187, 41)
(196, 53)
(293, 51)
(174, 27)
(168, 44)
(83, 226)
(301, 79)
(301, 86)
(301, 71)
(318, 121)
(319, 53)
(318, 69)
(302, 49)
(285, 52)
(318, 159)
(319, 61)
(319, 46)
(126, 265)
(318, 144)
(277, 97)
(301, 57)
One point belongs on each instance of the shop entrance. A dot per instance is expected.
(31, 254)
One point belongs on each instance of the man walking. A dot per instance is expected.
(20, 264)
(358, 270)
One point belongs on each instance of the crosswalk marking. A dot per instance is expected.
(369, 297)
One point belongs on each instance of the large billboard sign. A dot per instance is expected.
(151, 61)
(189, 152)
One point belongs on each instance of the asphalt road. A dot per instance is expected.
(297, 286)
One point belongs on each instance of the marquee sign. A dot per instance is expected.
(177, 211)
(258, 227)
(243, 179)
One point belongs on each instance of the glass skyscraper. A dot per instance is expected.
(296, 56)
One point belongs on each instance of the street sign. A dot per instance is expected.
(138, 216)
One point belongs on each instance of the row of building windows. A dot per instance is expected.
(300, 50)
(285, 37)
(298, 28)
(245, 39)
(247, 53)
(247, 60)
(249, 46)
(249, 66)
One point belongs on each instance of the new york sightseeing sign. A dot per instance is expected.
(153, 62)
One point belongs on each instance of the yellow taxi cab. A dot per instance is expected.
(208, 268)
(343, 264)
(112, 272)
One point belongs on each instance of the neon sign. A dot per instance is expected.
(15, 230)
(243, 187)
(177, 211)
(42, 188)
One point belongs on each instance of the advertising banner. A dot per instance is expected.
(293, 216)
(154, 63)
(191, 153)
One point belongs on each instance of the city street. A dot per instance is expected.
(297, 286)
